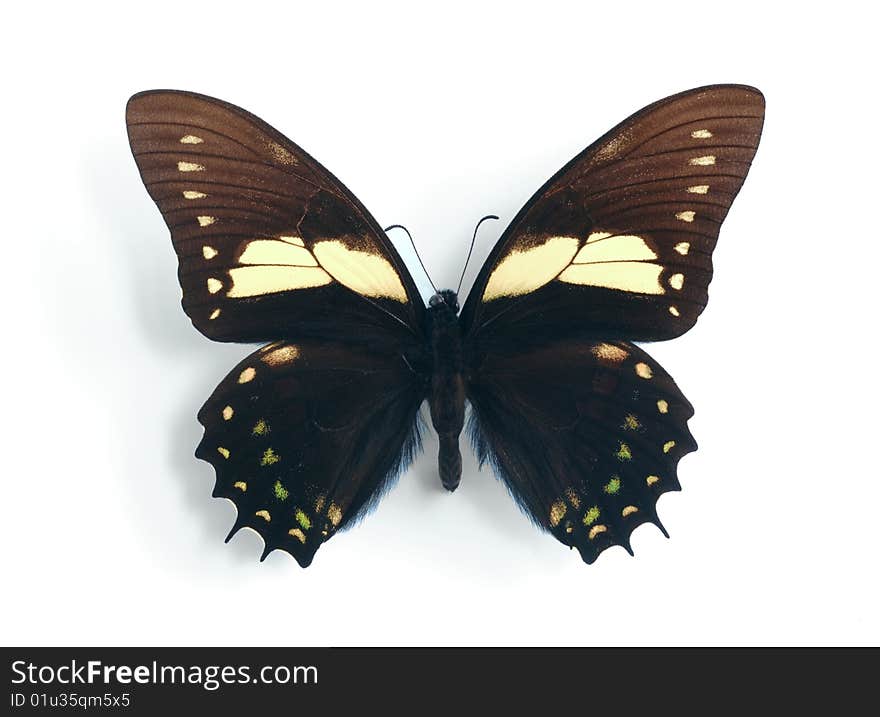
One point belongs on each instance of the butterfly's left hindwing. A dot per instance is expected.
(586, 435)
(270, 243)
(306, 436)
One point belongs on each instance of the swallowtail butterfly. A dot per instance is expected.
(583, 426)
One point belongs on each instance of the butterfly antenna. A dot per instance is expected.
(471, 250)
(400, 226)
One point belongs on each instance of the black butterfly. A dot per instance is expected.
(584, 427)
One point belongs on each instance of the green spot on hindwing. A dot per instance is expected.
(612, 486)
(302, 519)
(624, 453)
(261, 428)
(270, 458)
(592, 515)
(280, 491)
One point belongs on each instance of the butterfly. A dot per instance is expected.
(584, 427)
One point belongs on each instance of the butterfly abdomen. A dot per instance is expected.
(447, 385)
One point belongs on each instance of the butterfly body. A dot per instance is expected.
(447, 400)
(582, 425)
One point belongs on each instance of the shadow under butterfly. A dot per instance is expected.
(584, 428)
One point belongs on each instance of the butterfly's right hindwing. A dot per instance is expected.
(586, 435)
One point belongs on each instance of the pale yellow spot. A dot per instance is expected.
(223, 451)
(668, 446)
(643, 370)
(247, 375)
(676, 281)
(270, 457)
(701, 134)
(596, 530)
(651, 480)
(523, 271)
(205, 221)
(629, 510)
(209, 252)
(276, 251)
(334, 513)
(281, 355)
(687, 216)
(319, 504)
(366, 273)
(214, 314)
(227, 413)
(261, 428)
(674, 311)
(192, 194)
(557, 513)
(191, 139)
(705, 161)
(663, 406)
(241, 485)
(615, 262)
(634, 277)
(298, 534)
(683, 247)
(259, 280)
(631, 422)
(698, 189)
(190, 167)
(214, 285)
(281, 154)
(573, 498)
(264, 514)
(609, 352)
(605, 246)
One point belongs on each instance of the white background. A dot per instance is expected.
(434, 115)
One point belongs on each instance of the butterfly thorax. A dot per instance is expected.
(447, 383)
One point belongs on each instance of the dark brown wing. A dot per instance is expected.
(586, 435)
(306, 436)
(270, 243)
(619, 242)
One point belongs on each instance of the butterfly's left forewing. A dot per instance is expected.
(269, 242)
